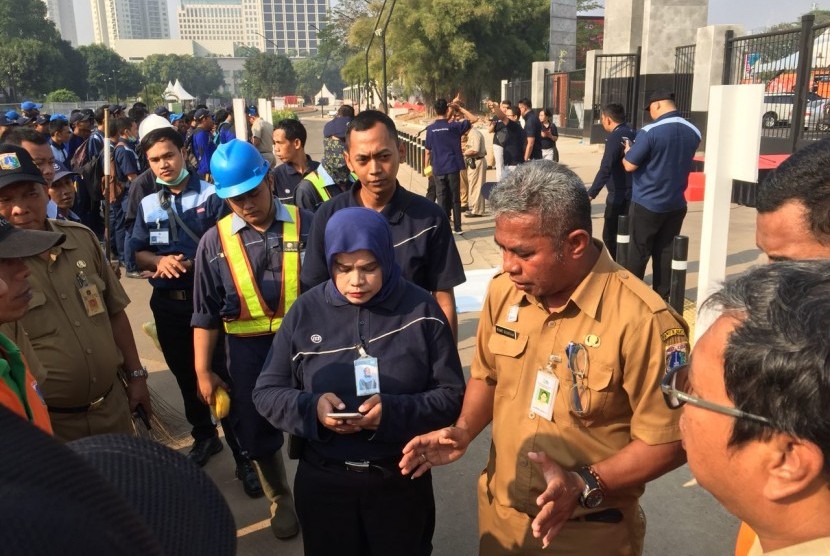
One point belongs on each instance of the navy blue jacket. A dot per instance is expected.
(611, 173)
(421, 382)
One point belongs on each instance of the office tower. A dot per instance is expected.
(129, 19)
(62, 14)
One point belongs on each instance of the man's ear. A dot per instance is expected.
(576, 243)
(402, 151)
(794, 467)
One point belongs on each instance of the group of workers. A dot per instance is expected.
(333, 319)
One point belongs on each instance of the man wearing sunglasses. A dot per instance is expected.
(754, 400)
(570, 353)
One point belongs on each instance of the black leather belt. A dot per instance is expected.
(611, 515)
(178, 295)
(387, 467)
(82, 408)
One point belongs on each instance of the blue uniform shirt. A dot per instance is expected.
(203, 148)
(226, 133)
(420, 379)
(286, 179)
(663, 152)
(443, 141)
(424, 246)
(126, 161)
(197, 206)
(611, 173)
(215, 296)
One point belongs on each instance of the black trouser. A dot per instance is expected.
(448, 192)
(430, 194)
(652, 235)
(176, 339)
(374, 513)
(218, 366)
(609, 229)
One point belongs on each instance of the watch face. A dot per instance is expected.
(593, 498)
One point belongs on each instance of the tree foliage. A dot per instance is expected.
(200, 77)
(62, 95)
(322, 68)
(109, 75)
(267, 75)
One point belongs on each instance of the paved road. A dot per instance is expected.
(683, 520)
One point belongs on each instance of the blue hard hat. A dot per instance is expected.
(237, 167)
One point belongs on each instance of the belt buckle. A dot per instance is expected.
(96, 403)
(357, 466)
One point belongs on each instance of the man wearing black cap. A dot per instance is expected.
(76, 320)
(660, 159)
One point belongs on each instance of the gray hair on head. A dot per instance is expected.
(548, 189)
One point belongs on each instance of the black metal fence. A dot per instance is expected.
(616, 79)
(414, 146)
(518, 89)
(684, 74)
(794, 67)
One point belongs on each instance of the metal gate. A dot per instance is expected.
(616, 79)
(564, 95)
(684, 74)
(517, 90)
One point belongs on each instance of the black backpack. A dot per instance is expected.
(90, 169)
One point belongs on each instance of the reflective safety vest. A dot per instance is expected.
(19, 390)
(255, 317)
(319, 184)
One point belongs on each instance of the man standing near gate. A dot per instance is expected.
(660, 159)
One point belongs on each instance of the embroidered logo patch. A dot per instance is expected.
(9, 161)
(316, 338)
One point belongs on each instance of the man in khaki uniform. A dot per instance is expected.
(76, 321)
(475, 151)
(571, 349)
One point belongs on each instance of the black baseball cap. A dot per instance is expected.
(16, 165)
(17, 243)
(658, 94)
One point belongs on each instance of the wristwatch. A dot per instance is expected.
(593, 495)
(140, 373)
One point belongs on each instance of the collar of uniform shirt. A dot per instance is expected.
(394, 209)
(280, 215)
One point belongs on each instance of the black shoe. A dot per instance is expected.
(246, 473)
(464, 208)
(202, 450)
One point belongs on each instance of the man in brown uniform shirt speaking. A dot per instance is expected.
(570, 352)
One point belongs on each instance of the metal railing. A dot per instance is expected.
(518, 89)
(616, 79)
(414, 147)
(684, 74)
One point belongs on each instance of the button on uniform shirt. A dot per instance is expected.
(443, 141)
(632, 333)
(663, 151)
(424, 246)
(286, 180)
(78, 351)
(197, 206)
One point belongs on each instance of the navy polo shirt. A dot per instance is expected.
(286, 179)
(203, 148)
(514, 146)
(663, 152)
(126, 161)
(443, 141)
(420, 378)
(214, 295)
(533, 130)
(424, 245)
(197, 206)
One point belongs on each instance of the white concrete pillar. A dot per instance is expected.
(710, 45)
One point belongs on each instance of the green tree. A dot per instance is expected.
(62, 95)
(201, 77)
(268, 75)
(109, 75)
(26, 65)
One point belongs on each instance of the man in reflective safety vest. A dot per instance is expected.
(316, 188)
(19, 390)
(247, 273)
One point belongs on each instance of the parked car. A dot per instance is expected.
(778, 109)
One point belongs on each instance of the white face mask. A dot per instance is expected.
(182, 175)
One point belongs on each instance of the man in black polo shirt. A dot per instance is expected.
(533, 131)
(424, 247)
(289, 146)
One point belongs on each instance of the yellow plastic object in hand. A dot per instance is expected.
(221, 404)
(428, 171)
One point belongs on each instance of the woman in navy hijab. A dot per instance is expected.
(361, 364)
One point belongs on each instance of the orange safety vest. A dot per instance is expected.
(255, 317)
(34, 400)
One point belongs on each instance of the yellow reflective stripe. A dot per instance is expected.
(255, 317)
(318, 183)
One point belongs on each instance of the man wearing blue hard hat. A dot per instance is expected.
(247, 275)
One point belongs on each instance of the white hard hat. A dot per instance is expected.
(151, 123)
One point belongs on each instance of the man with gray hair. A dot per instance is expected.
(570, 352)
(755, 399)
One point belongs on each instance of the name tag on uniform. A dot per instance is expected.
(506, 332)
(159, 237)
(92, 300)
(544, 394)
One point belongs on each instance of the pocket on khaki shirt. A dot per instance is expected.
(508, 353)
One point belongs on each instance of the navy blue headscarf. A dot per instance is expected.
(354, 228)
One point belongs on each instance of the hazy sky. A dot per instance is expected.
(752, 14)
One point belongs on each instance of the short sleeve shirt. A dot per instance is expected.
(264, 131)
(533, 130)
(628, 333)
(126, 162)
(443, 141)
(286, 179)
(77, 350)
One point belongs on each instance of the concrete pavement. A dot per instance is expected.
(683, 520)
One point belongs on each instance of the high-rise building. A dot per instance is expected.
(208, 20)
(129, 19)
(62, 13)
(287, 27)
